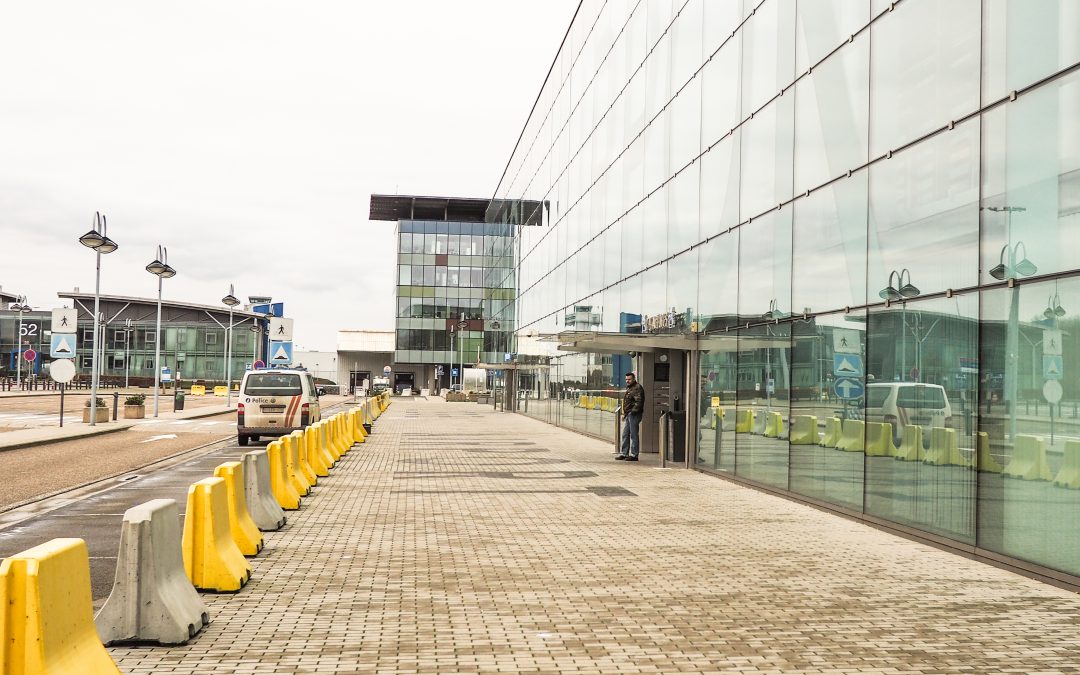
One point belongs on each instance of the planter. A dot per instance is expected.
(102, 415)
(134, 412)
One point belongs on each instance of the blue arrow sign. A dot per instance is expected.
(1053, 366)
(847, 365)
(281, 353)
(848, 388)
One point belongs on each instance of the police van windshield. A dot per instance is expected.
(273, 384)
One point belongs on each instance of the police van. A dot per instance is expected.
(276, 402)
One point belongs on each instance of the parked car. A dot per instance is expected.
(904, 403)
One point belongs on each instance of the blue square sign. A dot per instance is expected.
(280, 353)
(62, 346)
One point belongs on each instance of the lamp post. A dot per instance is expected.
(1008, 268)
(231, 301)
(256, 333)
(98, 240)
(902, 290)
(160, 268)
(21, 307)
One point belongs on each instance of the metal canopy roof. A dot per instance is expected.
(615, 343)
(412, 207)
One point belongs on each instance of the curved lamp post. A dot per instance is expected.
(161, 269)
(98, 240)
(230, 301)
(901, 288)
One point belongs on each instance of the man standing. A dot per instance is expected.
(633, 405)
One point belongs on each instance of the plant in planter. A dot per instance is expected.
(102, 411)
(135, 407)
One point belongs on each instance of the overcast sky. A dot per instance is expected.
(247, 137)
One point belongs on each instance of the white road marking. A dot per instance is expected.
(163, 437)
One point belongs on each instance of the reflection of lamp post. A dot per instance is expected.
(1009, 267)
(159, 268)
(256, 334)
(231, 301)
(100, 242)
(127, 351)
(901, 290)
(21, 307)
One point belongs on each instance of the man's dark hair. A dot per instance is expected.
(630, 375)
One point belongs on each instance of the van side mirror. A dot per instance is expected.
(320, 391)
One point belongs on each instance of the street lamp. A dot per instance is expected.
(902, 289)
(98, 240)
(256, 333)
(231, 301)
(160, 268)
(21, 307)
(1010, 266)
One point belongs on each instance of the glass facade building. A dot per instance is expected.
(803, 221)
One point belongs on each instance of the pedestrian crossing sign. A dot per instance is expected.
(281, 353)
(62, 346)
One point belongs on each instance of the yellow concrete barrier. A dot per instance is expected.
(198, 390)
(221, 390)
(832, 432)
(1028, 459)
(986, 461)
(911, 445)
(944, 450)
(804, 430)
(329, 458)
(282, 488)
(852, 436)
(879, 439)
(292, 461)
(359, 436)
(1069, 474)
(300, 441)
(212, 560)
(581, 402)
(314, 456)
(744, 421)
(345, 441)
(774, 425)
(46, 612)
(244, 531)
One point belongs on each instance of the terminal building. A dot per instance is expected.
(804, 221)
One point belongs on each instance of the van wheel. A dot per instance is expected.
(254, 439)
(242, 439)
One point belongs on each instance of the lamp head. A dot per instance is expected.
(156, 267)
(168, 272)
(92, 239)
(107, 246)
(998, 271)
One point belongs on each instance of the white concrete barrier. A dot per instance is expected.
(152, 599)
(264, 509)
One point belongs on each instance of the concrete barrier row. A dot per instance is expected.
(604, 403)
(47, 623)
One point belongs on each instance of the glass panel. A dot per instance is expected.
(823, 25)
(918, 389)
(1031, 182)
(924, 70)
(826, 364)
(1029, 498)
(767, 147)
(717, 382)
(720, 187)
(829, 247)
(924, 216)
(765, 266)
(718, 287)
(1027, 41)
(763, 391)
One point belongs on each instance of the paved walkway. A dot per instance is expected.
(461, 540)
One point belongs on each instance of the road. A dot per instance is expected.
(43, 410)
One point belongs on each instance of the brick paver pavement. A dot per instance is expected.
(461, 540)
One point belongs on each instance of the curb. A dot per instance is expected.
(123, 426)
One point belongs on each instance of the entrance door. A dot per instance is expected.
(403, 380)
(356, 379)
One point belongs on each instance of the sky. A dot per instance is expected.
(247, 137)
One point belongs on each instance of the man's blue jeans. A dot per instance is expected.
(631, 445)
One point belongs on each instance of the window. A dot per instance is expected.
(211, 338)
(88, 362)
(148, 364)
(273, 384)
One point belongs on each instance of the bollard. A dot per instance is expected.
(292, 461)
(243, 529)
(314, 455)
(281, 486)
(264, 509)
(115, 404)
(297, 438)
(212, 560)
(152, 599)
(46, 612)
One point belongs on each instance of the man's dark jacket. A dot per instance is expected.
(634, 398)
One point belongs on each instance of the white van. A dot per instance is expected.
(276, 402)
(904, 403)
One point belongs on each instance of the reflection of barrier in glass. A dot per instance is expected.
(879, 439)
(852, 436)
(774, 425)
(1028, 459)
(1069, 475)
(760, 420)
(804, 430)
(911, 445)
(944, 449)
(986, 461)
(744, 421)
(833, 430)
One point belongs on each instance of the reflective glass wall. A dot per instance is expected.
(868, 216)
